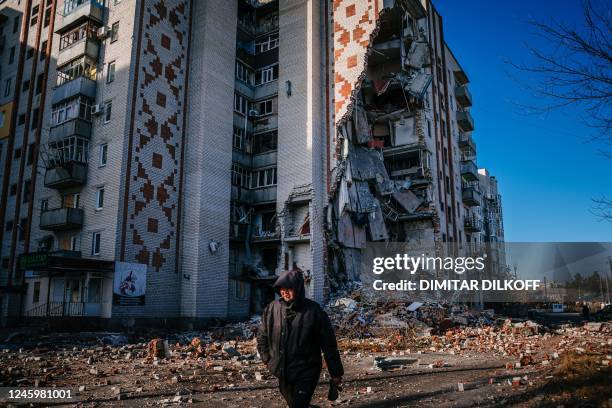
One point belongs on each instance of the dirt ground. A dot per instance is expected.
(571, 368)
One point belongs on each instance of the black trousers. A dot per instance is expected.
(298, 393)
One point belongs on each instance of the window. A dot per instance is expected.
(15, 24)
(103, 154)
(26, 191)
(30, 53)
(240, 104)
(36, 292)
(7, 86)
(26, 86)
(9, 226)
(238, 138)
(110, 72)
(39, 83)
(100, 198)
(79, 107)
(240, 177)
(11, 55)
(43, 50)
(263, 178)
(244, 73)
(23, 225)
(85, 30)
(265, 75)
(47, 17)
(240, 290)
(74, 240)
(266, 43)
(107, 111)
(71, 5)
(114, 35)
(265, 142)
(95, 243)
(265, 107)
(72, 200)
(84, 66)
(30, 159)
(13, 190)
(34, 18)
(44, 205)
(21, 119)
(34, 122)
(17, 153)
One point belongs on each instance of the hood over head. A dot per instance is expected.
(291, 280)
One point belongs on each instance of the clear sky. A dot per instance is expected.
(547, 170)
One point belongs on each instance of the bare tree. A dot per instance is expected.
(576, 71)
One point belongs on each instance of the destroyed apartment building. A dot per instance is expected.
(406, 161)
(163, 161)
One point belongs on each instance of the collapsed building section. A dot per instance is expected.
(382, 188)
(405, 168)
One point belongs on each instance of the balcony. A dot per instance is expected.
(463, 96)
(460, 76)
(87, 10)
(470, 196)
(73, 127)
(86, 46)
(471, 224)
(262, 195)
(467, 144)
(469, 171)
(78, 86)
(465, 121)
(60, 219)
(66, 175)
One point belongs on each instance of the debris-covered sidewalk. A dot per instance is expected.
(396, 354)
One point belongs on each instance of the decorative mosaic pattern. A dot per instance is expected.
(354, 22)
(157, 139)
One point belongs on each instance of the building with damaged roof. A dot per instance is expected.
(164, 161)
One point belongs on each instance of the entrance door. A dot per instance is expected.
(56, 308)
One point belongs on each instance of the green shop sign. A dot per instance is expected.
(33, 261)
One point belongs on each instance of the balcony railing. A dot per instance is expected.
(60, 219)
(65, 175)
(87, 46)
(69, 88)
(469, 170)
(463, 96)
(66, 309)
(77, 11)
(73, 127)
(470, 196)
(466, 143)
(465, 121)
(471, 224)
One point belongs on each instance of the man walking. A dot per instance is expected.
(294, 331)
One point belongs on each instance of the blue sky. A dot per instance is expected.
(547, 170)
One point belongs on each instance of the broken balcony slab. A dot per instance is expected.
(417, 55)
(408, 200)
(366, 164)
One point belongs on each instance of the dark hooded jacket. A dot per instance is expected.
(292, 336)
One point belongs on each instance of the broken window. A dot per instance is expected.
(266, 43)
(265, 142)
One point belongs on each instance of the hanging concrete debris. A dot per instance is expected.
(382, 177)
